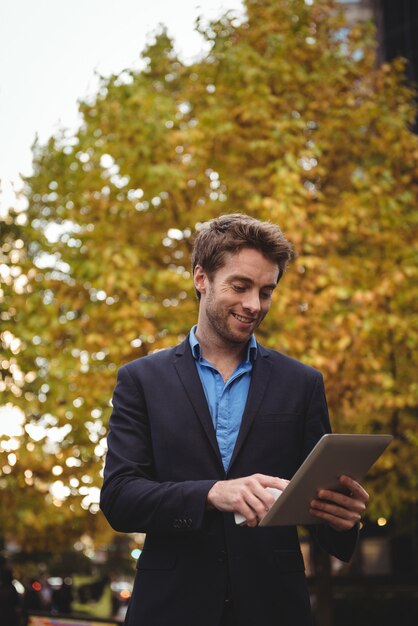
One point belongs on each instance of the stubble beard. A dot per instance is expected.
(219, 322)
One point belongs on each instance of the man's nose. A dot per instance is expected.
(252, 302)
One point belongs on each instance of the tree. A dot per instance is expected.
(287, 118)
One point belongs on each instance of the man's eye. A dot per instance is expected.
(266, 294)
(239, 288)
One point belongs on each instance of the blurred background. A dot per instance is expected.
(124, 127)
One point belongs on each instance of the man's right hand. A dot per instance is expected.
(247, 496)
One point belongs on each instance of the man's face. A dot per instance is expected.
(237, 297)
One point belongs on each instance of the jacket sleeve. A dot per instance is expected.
(339, 544)
(131, 498)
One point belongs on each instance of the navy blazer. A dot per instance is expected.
(162, 460)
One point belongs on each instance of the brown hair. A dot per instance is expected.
(228, 234)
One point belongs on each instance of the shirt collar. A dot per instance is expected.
(197, 353)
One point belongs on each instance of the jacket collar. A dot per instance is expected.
(188, 374)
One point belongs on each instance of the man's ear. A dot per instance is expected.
(199, 279)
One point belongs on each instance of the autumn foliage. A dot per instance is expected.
(287, 118)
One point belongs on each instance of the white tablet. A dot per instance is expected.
(332, 456)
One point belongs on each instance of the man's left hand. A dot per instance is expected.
(341, 511)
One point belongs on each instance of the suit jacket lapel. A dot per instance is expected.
(187, 371)
(260, 379)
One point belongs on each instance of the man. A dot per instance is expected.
(199, 431)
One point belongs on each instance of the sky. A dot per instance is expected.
(51, 52)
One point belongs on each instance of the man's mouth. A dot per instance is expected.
(244, 320)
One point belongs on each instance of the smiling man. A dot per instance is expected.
(200, 431)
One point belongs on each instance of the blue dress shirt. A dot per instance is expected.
(226, 400)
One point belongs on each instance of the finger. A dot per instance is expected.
(251, 517)
(272, 481)
(257, 486)
(254, 508)
(257, 493)
(247, 497)
(259, 499)
(281, 483)
(336, 522)
(334, 515)
(342, 500)
(352, 514)
(257, 510)
(355, 488)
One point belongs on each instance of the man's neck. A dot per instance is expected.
(225, 356)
